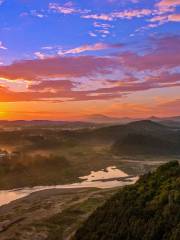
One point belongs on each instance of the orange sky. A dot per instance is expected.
(141, 105)
(67, 60)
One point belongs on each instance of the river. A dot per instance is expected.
(106, 178)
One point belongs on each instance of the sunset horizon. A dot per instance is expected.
(84, 118)
(69, 59)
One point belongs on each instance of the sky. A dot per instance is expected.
(66, 60)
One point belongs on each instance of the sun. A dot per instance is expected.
(2, 114)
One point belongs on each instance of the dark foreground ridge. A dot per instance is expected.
(149, 210)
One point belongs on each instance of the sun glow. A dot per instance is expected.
(2, 114)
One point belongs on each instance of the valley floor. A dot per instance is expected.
(50, 214)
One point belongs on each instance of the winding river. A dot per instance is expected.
(106, 178)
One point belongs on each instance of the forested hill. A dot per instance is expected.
(148, 210)
(145, 144)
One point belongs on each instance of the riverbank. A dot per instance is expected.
(49, 213)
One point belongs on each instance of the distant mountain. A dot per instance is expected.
(168, 121)
(100, 118)
(46, 123)
(146, 124)
(148, 210)
(171, 123)
(90, 121)
(103, 119)
(154, 118)
(174, 118)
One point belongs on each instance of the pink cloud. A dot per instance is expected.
(64, 78)
(66, 90)
(103, 16)
(174, 17)
(127, 14)
(67, 8)
(57, 67)
(164, 11)
(85, 48)
(166, 54)
(168, 3)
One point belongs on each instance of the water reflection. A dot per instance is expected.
(9, 196)
(109, 173)
(108, 178)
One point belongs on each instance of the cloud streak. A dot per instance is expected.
(2, 46)
(67, 78)
(67, 8)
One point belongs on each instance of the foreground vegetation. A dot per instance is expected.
(149, 210)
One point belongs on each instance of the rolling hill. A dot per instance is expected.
(135, 144)
(100, 118)
(113, 133)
